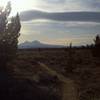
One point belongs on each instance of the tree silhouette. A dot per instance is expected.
(9, 33)
(97, 40)
(96, 50)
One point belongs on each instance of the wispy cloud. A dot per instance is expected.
(52, 23)
(60, 16)
(68, 5)
(91, 4)
(59, 32)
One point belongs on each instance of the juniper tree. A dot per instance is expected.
(97, 40)
(96, 50)
(9, 33)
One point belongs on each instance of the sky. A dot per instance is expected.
(55, 31)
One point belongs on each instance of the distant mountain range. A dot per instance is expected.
(37, 44)
(60, 16)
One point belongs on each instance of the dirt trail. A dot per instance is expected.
(69, 91)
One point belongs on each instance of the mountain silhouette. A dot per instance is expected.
(37, 44)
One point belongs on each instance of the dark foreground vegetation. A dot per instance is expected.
(77, 64)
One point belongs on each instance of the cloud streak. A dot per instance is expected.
(62, 16)
(48, 30)
(61, 21)
(68, 5)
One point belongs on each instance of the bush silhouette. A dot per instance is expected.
(9, 33)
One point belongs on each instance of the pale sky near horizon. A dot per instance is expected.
(56, 32)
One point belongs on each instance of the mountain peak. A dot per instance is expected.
(36, 42)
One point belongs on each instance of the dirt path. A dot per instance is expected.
(69, 91)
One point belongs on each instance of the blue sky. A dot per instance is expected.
(55, 31)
